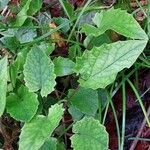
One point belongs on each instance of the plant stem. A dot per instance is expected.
(133, 145)
(123, 115)
(116, 119)
(140, 101)
(81, 13)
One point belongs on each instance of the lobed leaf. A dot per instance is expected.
(36, 132)
(23, 105)
(89, 135)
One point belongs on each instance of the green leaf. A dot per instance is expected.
(36, 132)
(67, 8)
(86, 100)
(22, 105)
(60, 20)
(39, 72)
(50, 144)
(74, 51)
(63, 66)
(25, 35)
(11, 43)
(22, 15)
(89, 135)
(48, 48)
(35, 6)
(92, 41)
(17, 66)
(99, 67)
(108, 20)
(3, 84)
(75, 113)
(3, 4)
(61, 146)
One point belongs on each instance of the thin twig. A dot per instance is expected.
(133, 145)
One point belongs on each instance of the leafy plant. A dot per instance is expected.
(29, 83)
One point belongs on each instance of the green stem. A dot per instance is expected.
(116, 119)
(140, 101)
(123, 115)
(85, 6)
(148, 19)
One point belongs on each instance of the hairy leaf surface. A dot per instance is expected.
(23, 105)
(39, 72)
(89, 135)
(99, 67)
(63, 66)
(36, 132)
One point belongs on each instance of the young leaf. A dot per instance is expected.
(23, 105)
(3, 84)
(86, 100)
(99, 67)
(63, 66)
(50, 144)
(36, 132)
(22, 15)
(108, 20)
(89, 135)
(39, 72)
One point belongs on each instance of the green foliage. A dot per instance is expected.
(39, 72)
(89, 134)
(99, 67)
(36, 132)
(63, 66)
(22, 15)
(35, 6)
(67, 8)
(30, 7)
(50, 144)
(25, 35)
(22, 105)
(3, 3)
(43, 76)
(85, 100)
(3, 84)
(108, 20)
